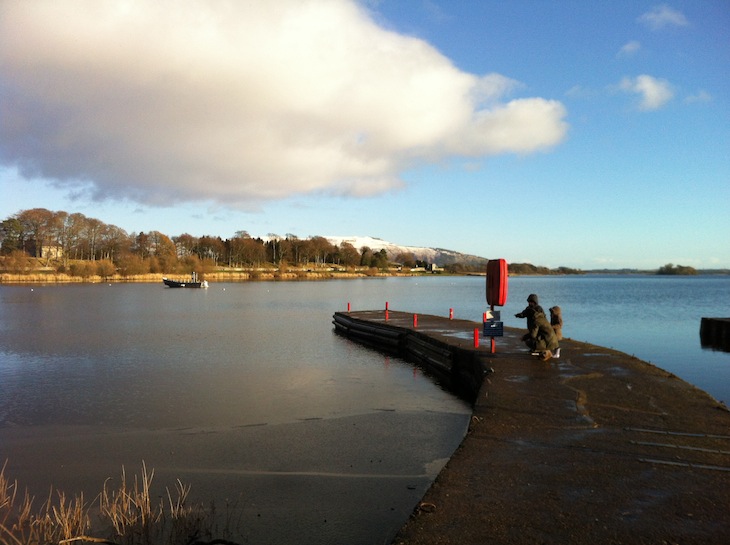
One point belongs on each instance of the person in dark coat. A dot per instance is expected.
(529, 312)
(556, 320)
(542, 340)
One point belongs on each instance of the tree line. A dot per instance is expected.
(74, 241)
(75, 244)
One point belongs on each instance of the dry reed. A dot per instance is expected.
(126, 515)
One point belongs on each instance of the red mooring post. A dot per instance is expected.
(386, 314)
(415, 321)
(451, 314)
(476, 337)
(348, 306)
(386, 305)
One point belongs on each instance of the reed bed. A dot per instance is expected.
(125, 514)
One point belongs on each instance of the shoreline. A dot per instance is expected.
(224, 276)
(290, 274)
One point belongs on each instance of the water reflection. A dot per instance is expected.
(145, 356)
(242, 390)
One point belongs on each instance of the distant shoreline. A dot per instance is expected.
(290, 274)
(226, 276)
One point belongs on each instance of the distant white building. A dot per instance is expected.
(51, 252)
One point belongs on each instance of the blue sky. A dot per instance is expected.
(586, 134)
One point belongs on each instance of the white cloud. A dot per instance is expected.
(579, 91)
(630, 48)
(241, 101)
(663, 16)
(654, 93)
(521, 126)
(700, 96)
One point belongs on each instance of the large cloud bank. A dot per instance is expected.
(241, 101)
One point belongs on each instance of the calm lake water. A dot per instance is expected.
(243, 390)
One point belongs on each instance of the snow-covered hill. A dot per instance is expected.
(437, 256)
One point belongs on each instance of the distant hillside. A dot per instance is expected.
(437, 256)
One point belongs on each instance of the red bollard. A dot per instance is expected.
(386, 315)
(493, 346)
(484, 317)
(386, 305)
(348, 307)
(415, 321)
(451, 314)
(476, 337)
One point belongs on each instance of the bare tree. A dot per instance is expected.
(92, 233)
(349, 257)
(113, 241)
(273, 242)
(321, 248)
(185, 244)
(37, 222)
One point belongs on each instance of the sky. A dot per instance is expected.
(578, 133)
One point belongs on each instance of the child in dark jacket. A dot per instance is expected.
(532, 307)
(556, 320)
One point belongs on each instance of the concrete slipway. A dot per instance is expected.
(596, 447)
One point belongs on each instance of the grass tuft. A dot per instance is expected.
(126, 515)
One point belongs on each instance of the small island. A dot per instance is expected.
(676, 270)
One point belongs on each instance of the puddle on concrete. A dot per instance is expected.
(517, 378)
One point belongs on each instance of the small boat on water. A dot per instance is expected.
(194, 282)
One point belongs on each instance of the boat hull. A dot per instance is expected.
(183, 284)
